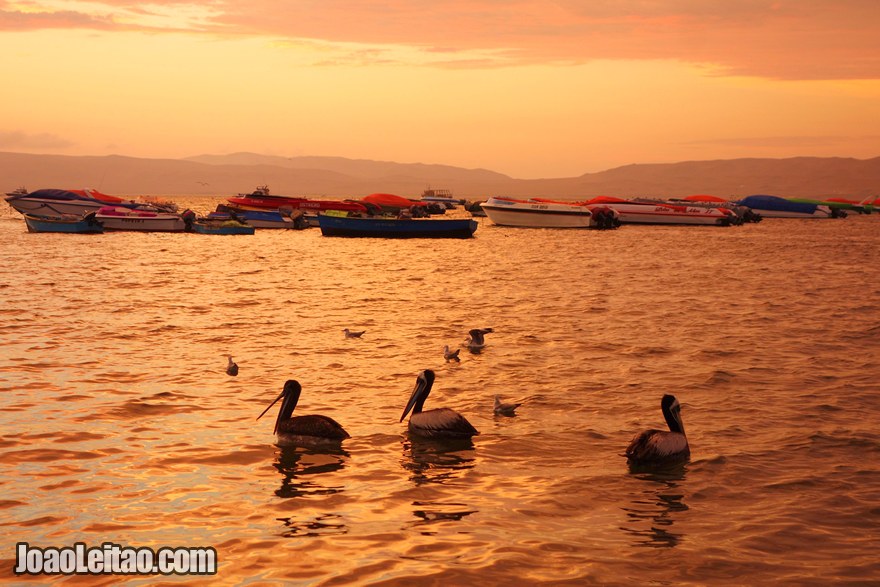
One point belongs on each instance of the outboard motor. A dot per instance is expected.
(188, 218)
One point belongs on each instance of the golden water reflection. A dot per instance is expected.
(651, 513)
(305, 472)
(432, 461)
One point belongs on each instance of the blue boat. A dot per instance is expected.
(382, 227)
(776, 207)
(76, 225)
(261, 218)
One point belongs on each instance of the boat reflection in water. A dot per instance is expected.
(651, 513)
(307, 472)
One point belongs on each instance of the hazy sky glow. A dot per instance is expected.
(527, 88)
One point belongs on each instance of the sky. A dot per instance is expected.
(529, 88)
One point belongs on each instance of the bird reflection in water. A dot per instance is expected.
(435, 512)
(651, 513)
(305, 471)
(437, 461)
(322, 525)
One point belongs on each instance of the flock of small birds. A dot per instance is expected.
(647, 448)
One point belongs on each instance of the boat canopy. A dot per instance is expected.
(391, 200)
(764, 202)
(607, 200)
(704, 198)
(85, 194)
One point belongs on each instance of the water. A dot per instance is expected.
(118, 422)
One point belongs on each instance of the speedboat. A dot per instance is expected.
(56, 202)
(261, 199)
(117, 218)
(776, 207)
(664, 212)
(544, 213)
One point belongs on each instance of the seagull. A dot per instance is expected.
(451, 355)
(307, 430)
(231, 368)
(658, 447)
(439, 423)
(503, 409)
(350, 334)
(475, 341)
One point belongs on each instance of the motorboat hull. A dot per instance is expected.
(63, 225)
(396, 228)
(136, 220)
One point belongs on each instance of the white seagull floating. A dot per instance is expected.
(451, 355)
(503, 409)
(350, 334)
(658, 447)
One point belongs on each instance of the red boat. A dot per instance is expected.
(260, 199)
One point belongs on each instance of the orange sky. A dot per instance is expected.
(529, 88)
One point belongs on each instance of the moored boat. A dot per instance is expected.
(86, 224)
(632, 212)
(283, 218)
(261, 199)
(776, 207)
(544, 213)
(228, 227)
(116, 218)
(57, 202)
(385, 227)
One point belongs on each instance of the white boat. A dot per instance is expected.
(116, 218)
(632, 212)
(543, 213)
(54, 202)
(444, 197)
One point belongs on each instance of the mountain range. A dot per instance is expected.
(224, 175)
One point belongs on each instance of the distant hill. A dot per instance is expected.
(222, 175)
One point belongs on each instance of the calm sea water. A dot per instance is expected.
(119, 424)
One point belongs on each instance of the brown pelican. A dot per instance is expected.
(658, 447)
(351, 334)
(475, 341)
(439, 423)
(231, 367)
(504, 409)
(451, 355)
(312, 429)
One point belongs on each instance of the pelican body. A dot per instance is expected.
(658, 447)
(231, 367)
(438, 423)
(311, 429)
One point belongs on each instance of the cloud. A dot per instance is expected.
(782, 39)
(21, 140)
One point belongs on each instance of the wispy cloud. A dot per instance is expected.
(782, 39)
(20, 140)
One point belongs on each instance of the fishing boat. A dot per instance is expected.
(444, 197)
(387, 227)
(116, 218)
(68, 223)
(57, 202)
(279, 218)
(545, 213)
(228, 227)
(776, 207)
(655, 212)
(261, 199)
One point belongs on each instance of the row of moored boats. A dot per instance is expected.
(388, 215)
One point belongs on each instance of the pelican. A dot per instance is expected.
(503, 409)
(439, 423)
(658, 447)
(312, 429)
(350, 334)
(231, 367)
(451, 355)
(475, 341)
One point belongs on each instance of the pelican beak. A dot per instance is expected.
(416, 394)
(272, 404)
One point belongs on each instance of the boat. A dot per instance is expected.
(387, 227)
(544, 213)
(776, 207)
(86, 224)
(58, 202)
(390, 203)
(444, 197)
(117, 218)
(280, 218)
(664, 212)
(261, 199)
(216, 226)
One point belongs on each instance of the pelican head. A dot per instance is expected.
(290, 393)
(672, 412)
(424, 382)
